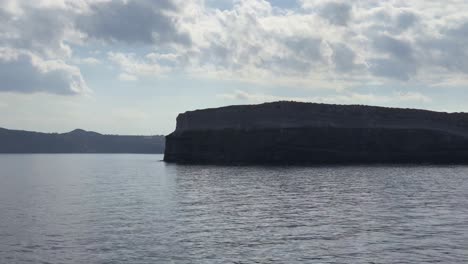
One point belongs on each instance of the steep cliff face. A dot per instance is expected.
(300, 133)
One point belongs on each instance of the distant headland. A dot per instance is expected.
(77, 141)
(310, 133)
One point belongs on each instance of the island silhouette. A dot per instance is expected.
(77, 141)
(309, 133)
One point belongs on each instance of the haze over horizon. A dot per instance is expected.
(129, 67)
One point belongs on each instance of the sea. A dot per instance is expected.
(103, 208)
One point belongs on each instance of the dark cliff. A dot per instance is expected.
(77, 141)
(302, 133)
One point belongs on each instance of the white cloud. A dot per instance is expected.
(127, 77)
(319, 43)
(132, 66)
(326, 41)
(24, 72)
(88, 61)
(41, 27)
(169, 57)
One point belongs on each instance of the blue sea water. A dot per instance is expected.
(138, 209)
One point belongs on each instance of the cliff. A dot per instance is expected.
(301, 133)
(77, 141)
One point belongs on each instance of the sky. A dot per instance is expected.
(131, 66)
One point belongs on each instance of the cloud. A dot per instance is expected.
(396, 48)
(336, 13)
(23, 72)
(307, 48)
(87, 61)
(406, 19)
(37, 28)
(133, 21)
(447, 50)
(35, 39)
(392, 68)
(397, 61)
(311, 43)
(344, 58)
(254, 41)
(132, 66)
(127, 77)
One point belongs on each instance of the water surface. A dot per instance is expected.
(137, 209)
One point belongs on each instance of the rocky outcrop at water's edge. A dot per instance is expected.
(308, 133)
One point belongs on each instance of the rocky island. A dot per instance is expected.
(310, 133)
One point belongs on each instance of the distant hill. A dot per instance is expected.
(77, 141)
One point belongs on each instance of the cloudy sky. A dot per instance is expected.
(130, 66)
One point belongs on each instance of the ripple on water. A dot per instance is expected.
(132, 208)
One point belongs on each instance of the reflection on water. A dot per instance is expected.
(136, 209)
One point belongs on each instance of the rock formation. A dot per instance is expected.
(308, 133)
